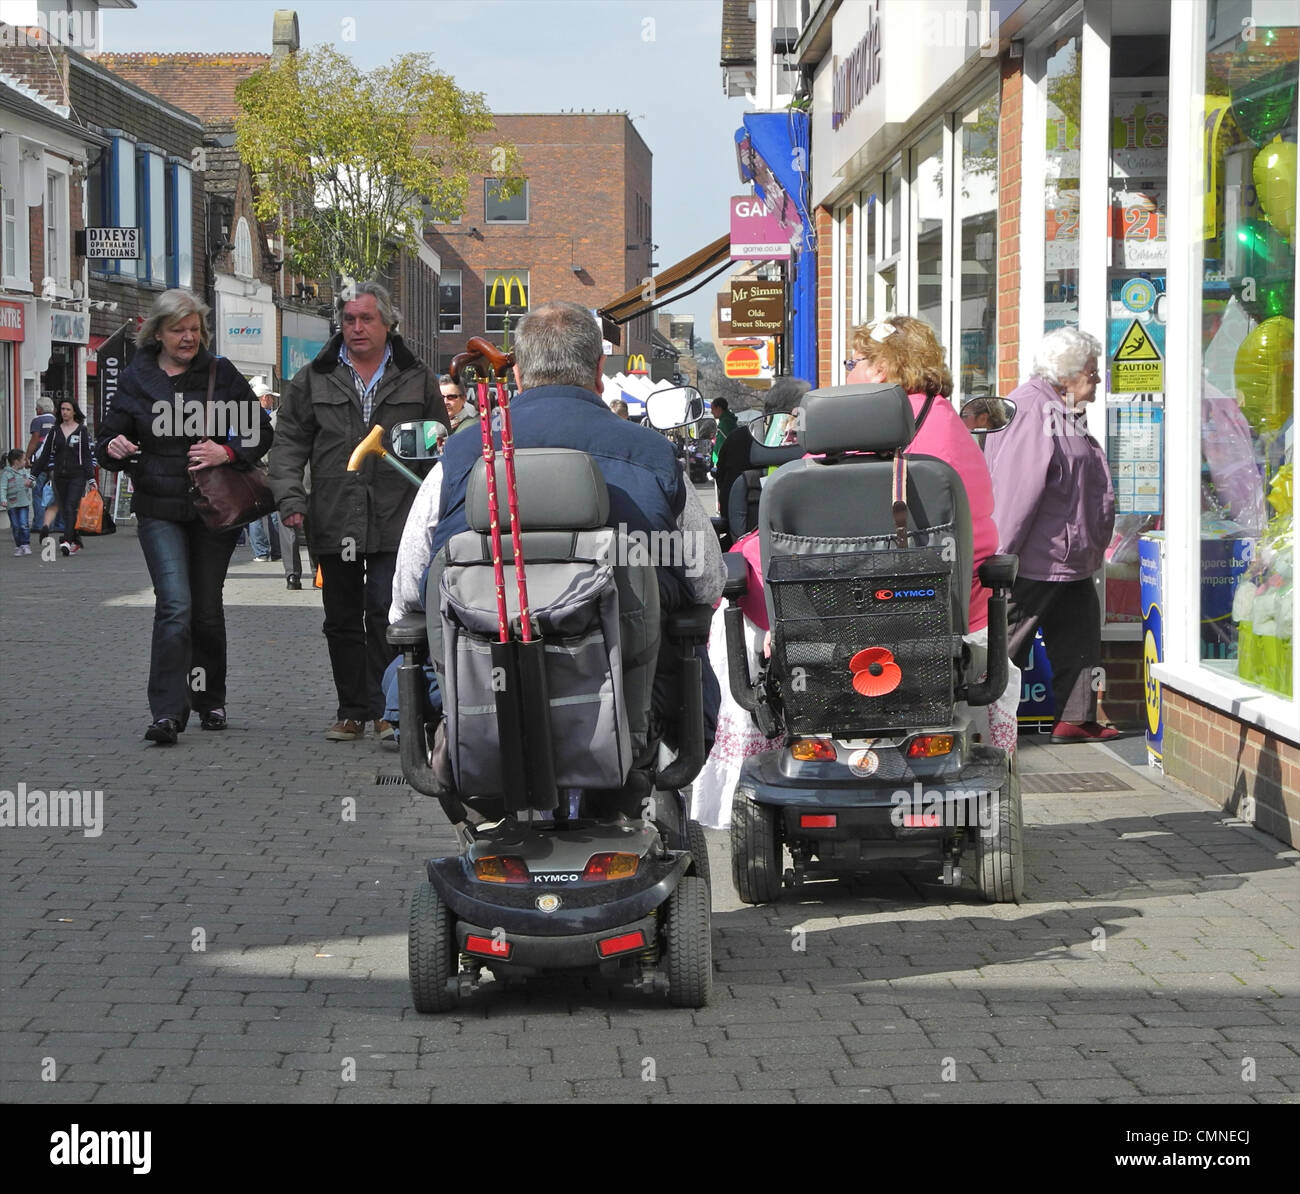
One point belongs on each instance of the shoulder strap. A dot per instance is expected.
(900, 500)
(212, 386)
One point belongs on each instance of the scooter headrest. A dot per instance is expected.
(859, 418)
(559, 489)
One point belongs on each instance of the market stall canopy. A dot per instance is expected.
(667, 286)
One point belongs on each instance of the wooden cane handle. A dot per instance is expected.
(477, 350)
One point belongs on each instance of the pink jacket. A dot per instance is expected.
(946, 437)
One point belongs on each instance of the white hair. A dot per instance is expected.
(1063, 354)
(44, 406)
(171, 307)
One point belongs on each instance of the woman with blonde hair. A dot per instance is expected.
(173, 387)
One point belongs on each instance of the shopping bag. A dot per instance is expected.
(90, 514)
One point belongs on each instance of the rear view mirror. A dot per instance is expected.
(418, 441)
(984, 415)
(680, 406)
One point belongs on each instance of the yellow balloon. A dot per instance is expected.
(1264, 371)
(1274, 173)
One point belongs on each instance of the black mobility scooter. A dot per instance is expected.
(575, 850)
(867, 559)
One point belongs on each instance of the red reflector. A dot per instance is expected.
(620, 945)
(920, 820)
(492, 947)
(808, 821)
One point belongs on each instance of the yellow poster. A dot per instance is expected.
(1137, 367)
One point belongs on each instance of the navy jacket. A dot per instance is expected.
(646, 489)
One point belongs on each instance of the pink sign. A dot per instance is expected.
(756, 234)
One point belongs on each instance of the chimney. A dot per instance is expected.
(284, 34)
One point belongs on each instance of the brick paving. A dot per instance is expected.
(237, 933)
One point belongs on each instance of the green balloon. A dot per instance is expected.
(1262, 80)
(1263, 281)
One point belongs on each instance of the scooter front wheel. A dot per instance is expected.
(688, 957)
(432, 957)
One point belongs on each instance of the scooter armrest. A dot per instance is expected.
(689, 626)
(737, 583)
(410, 630)
(999, 572)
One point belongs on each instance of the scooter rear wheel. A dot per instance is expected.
(755, 851)
(688, 957)
(432, 957)
(999, 852)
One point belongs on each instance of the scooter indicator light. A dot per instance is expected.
(621, 944)
(494, 868)
(806, 750)
(610, 866)
(929, 745)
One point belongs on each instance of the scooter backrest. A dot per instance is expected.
(859, 418)
(559, 489)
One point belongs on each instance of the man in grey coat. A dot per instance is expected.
(364, 377)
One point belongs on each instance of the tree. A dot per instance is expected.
(352, 164)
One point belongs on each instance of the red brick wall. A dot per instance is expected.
(1009, 281)
(1236, 765)
(825, 300)
(1124, 696)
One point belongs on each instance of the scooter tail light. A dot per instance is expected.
(504, 868)
(808, 750)
(928, 746)
(623, 943)
(490, 947)
(610, 866)
(818, 821)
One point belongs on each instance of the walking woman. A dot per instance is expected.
(146, 433)
(66, 456)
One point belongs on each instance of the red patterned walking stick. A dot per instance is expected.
(512, 497)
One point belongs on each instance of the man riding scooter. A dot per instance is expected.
(559, 360)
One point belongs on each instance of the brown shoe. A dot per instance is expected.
(345, 731)
(384, 731)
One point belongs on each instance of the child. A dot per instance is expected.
(16, 497)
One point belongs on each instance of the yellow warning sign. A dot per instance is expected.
(1137, 367)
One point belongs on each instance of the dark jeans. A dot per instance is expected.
(68, 492)
(356, 596)
(1069, 616)
(187, 664)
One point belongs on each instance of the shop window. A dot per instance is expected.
(499, 210)
(929, 198)
(1248, 373)
(449, 301)
(505, 299)
(977, 216)
(1061, 185)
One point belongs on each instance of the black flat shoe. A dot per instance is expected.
(213, 719)
(292, 582)
(164, 731)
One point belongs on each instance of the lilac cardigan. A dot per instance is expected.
(1053, 502)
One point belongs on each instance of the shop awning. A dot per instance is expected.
(668, 285)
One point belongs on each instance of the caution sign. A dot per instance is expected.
(1137, 367)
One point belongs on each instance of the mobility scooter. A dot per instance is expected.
(575, 848)
(867, 561)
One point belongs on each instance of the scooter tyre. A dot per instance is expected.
(432, 958)
(688, 957)
(755, 852)
(999, 855)
(699, 848)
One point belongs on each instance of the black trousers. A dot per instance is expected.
(1069, 616)
(356, 598)
(68, 492)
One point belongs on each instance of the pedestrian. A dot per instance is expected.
(147, 433)
(41, 427)
(69, 460)
(264, 534)
(725, 424)
(1055, 509)
(619, 407)
(363, 378)
(16, 500)
(461, 413)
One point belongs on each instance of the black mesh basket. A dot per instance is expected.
(830, 608)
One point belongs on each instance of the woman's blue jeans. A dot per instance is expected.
(187, 663)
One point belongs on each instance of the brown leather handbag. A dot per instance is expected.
(226, 497)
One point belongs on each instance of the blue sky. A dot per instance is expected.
(655, 59)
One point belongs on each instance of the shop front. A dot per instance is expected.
(245, 326)
(302, 336)
(12, 321)
(64, 375)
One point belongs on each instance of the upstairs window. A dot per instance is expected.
(243, 250)
(449, 301)
(497, 210)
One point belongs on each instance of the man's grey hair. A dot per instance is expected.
(1064, 353)
(171, 307)
(383, 300)
(558, 344)
(44, 406)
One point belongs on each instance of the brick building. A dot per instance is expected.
(581, 229)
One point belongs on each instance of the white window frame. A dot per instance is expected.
(119, 196)
(1182, 668)
(242, 259)
(58, 239)
(151, 209)
(180, 216)
(14, 230)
